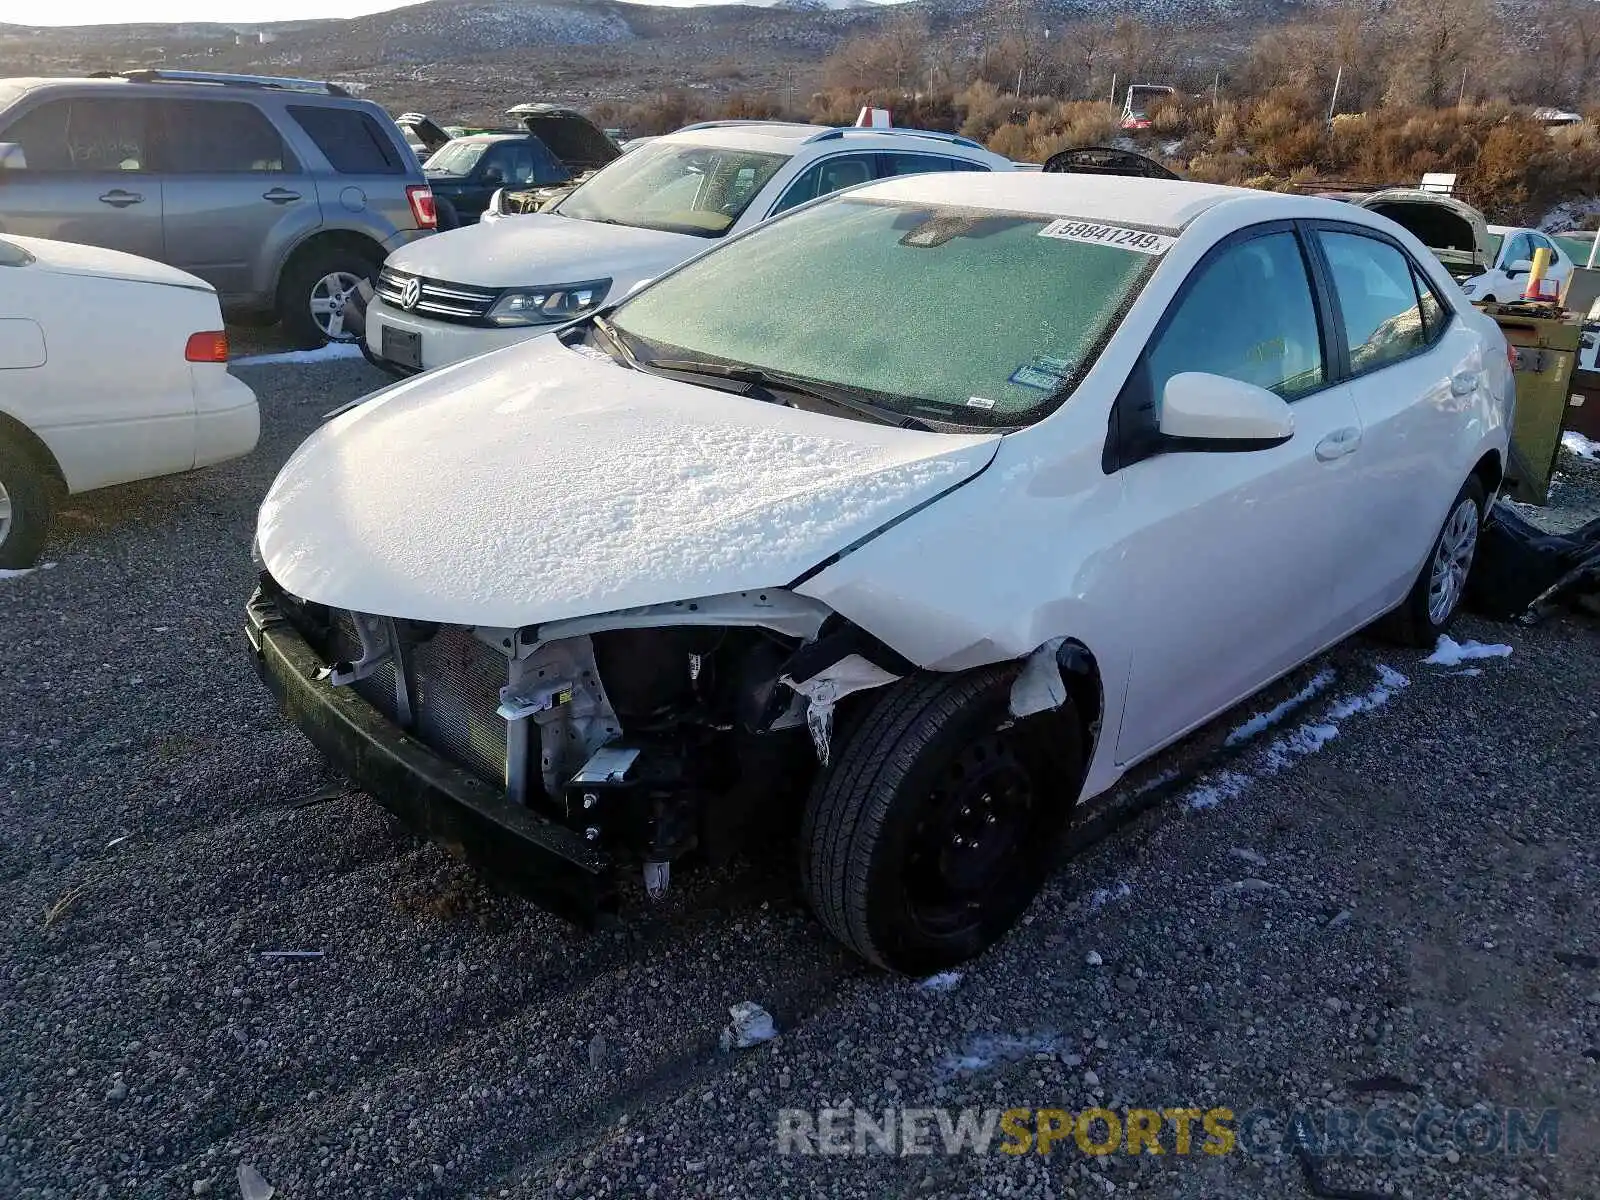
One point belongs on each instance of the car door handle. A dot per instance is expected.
(118, 198)
(1464, 383)
(1339, 443)
(281, 196)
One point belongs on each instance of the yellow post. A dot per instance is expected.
(1541, 264)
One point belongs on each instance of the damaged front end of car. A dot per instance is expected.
(566, 755)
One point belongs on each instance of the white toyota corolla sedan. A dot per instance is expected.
(901, 524)
(112, 368)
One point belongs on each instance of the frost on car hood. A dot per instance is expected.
(538, 483)
(541, 248)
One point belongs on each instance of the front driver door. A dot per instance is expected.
(1230, 556)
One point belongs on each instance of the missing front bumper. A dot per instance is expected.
(553, 865)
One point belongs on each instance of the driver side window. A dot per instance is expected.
(1247, 316)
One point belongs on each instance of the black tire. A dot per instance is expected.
(300, 279)
(445, 215)
(1414, 623)
(881, 841)
(31, 490)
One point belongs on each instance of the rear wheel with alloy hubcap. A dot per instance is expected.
(939, 819)
(316, 290)
(1435, 597)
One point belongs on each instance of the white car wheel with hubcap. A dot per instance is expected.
(1435, 597)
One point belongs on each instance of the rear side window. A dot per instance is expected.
(351, 141)
(918, 164)
(1248, 316)
(1377, 292)
(1435, 312)
(219, 137)
(83, 135)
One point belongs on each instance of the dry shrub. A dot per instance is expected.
(1084, 123)
(1219, 168)
(1011, 141)
(1284, 132)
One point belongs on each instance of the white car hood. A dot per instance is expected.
(540, 248)
(93, 262)
(538, 483)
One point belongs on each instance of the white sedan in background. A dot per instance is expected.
(112, 368)
(952, 496)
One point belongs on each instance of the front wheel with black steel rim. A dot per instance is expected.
(1435, 597)
(938, 820)
(27, 496)
(315, 292)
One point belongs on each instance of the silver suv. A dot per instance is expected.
(283, 193)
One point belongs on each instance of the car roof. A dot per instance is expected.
(1160, 203)
(785, 137)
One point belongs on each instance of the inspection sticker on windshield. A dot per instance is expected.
(1108, 235)
(1043, 373)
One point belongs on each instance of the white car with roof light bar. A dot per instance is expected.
(112, 368)
(812, 534)
(485, 286)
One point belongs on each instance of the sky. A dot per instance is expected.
(95, 12)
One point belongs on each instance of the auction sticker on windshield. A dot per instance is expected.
(1108, 235)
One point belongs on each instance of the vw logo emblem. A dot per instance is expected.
(410, 294)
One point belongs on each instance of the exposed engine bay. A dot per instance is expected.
(651, 738)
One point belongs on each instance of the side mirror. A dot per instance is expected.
(1521, 267)
(12, 157)
(1210, 412)
(497, 202)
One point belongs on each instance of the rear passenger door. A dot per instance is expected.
(88, 175)
(236, 197)
(1413, 369)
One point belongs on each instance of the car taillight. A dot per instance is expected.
(207, 347)
(422, 206)
(1511, 355)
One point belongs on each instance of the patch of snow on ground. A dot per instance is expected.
(11, 574)
(1299, 742)
(989, 1049)
(332, 352)
(1319, 684)
(1225, 785)
(1574, 442)
(1450, 653)
(1100, 897)
(944, 981)
(1160, 780)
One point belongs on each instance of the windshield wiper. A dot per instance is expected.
(755, 377)
(614, 336)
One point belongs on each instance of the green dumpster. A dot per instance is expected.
(1545, 340)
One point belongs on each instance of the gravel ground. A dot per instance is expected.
(1388, 898)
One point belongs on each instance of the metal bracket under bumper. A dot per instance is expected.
(554, 866)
